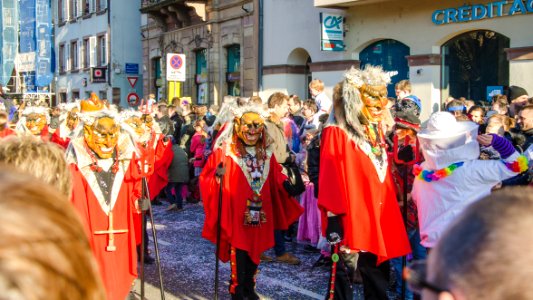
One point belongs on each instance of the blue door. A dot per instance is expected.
(390, 54)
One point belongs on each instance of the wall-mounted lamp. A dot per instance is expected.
(419, 71)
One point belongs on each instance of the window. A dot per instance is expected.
(102, 95)
(101, 5)
(85, 7)
(75, 95)
(86, 52)
(201, 76)
(60, 12)
(61, 58)
(102, 50)
(93, 6)
(74, 62)
(73, 11)
(233, 76)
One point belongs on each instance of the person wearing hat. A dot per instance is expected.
(407, 126)
(452, 176)
(518, 98)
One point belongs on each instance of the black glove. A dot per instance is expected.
(334, 231)
(221, 170)
(406, 154)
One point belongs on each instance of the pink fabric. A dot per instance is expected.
(309, 227)
(197, 150)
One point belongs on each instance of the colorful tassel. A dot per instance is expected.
(436, 175)
(519, 165)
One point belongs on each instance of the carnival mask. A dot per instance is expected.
(148, 120)
(72, 119)
(35, 123)
(102, 136)
(140, 129)
(375, 100)
(249, 128)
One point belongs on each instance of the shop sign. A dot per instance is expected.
(332, 32)
(233, 76)
(477, 12)
(493, 91)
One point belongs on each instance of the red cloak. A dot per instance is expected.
(58, 139)
(117, 268)
(281, 210)
(163, 158)
(350, 187)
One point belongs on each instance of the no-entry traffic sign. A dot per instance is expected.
(133, 99)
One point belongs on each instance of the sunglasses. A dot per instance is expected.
(415, 276)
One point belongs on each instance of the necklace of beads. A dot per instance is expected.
(94, 162)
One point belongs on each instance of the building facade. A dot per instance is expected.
(219, 39)
(99, 50)
(445, 48)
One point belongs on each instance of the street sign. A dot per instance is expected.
(131, 68)
(175, 67)
(98, 74)
(133, 99)
(132, 80)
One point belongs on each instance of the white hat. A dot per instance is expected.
(445, 141)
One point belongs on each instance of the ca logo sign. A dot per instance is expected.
(333, 22)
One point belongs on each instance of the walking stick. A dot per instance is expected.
(219, 174)
(405, 165)
(146, 206)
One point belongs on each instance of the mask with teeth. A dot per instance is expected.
(35, 123)
(249, 128)
(102, 136)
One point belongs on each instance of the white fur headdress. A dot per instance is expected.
(237, 112)
(41, 110)
(347, 113)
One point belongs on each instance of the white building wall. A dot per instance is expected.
(125, 46)
(410, 22)
(290, 25)
(77, 30)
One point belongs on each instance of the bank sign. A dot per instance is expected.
(332, 32)
(477, 12)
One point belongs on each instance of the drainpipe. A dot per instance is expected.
(260, 50)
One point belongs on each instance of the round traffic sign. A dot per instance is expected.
(176, 62)
(133, 99)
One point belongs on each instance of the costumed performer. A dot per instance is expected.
(34, 121)
(104, 193)
(69, 120)
(452, 177)
(254, 201)
(357, 194)
(163, 154)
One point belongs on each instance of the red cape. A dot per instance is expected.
(163, 159)
(350, 187)
(7, 132)
(57, 139)
(281, 210)
(119, 268)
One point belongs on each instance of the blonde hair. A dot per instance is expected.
(44, 251)
(317, 84)
(43, 160)
(500, 121)
(403, 85)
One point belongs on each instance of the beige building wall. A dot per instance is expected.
(410, 22)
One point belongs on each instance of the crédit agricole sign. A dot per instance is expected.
(477, 12)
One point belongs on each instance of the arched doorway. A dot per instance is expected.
(473, 61)
(390, 54)
(297, 82)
